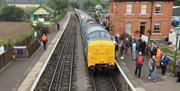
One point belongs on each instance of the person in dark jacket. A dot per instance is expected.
(178, 69)
(164, 61)
(143, 47)
(153, 49)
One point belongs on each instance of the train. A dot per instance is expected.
(98, 44)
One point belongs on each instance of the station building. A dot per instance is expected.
(147, 17)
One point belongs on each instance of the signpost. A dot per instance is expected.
(1, 50)
(144, 38)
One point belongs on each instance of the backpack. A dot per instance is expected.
(140, 59)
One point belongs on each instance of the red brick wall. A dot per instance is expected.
(118, 18)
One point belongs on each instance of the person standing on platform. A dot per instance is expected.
(163, 63)
(158, 56)
(134, 50)
(44, 40)
(139, 64)
(153, 49)
(153, 69)
(143, 47)
(178, 69)
(127, 44)
(121, 50)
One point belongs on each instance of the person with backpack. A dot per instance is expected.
(164, 61)
(152, 68)
(139, 64)
(44, 40)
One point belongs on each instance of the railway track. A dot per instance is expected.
(59, 72)
(104, 82)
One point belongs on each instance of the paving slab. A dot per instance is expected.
(13, 75)
(163, 83)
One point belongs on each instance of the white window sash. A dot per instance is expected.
(128, 27)
(129, 9)
(143, 9)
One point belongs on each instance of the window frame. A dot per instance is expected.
(129, 8)
(158, 8)
(144, 9)
(128, 27)
(157, 26)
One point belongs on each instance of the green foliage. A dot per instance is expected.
(41, 27)
(5, 42)
(177, 2)
(169, 52)
(20, 39)
(12, 13)
(58, 5)
(28, 11)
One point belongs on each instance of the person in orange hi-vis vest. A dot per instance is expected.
(158, 56)
(44, 40)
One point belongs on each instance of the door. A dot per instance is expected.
(142, 28)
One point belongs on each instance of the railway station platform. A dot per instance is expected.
(12, 77)
(164, 83)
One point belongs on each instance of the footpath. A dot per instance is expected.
(14, 74)
(164, 83)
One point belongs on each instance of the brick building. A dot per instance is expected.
(134, 17)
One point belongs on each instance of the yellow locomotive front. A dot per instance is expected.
(101, 53)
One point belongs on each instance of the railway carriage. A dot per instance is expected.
(99, 47)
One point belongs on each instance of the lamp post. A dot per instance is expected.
(177, 31)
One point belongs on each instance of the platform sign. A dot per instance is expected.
(20, 51)
(1, 50)
(144, 38)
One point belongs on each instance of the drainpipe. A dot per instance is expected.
(150, 33)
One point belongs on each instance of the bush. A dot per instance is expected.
(6, 43)
(12, 13)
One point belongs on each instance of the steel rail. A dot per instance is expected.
(71, 64)
(72, 60)
(61, 53)
(113, 84)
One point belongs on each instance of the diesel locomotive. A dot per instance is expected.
(98, 44)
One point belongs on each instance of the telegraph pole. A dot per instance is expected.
(150, 31)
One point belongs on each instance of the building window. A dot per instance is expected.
(128, 27)
(143, 9)
(157, 27)
(158, 8)
(129, 9)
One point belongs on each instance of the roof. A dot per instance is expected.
(44, 7)
(176, 11)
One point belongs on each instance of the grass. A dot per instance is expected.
(169, 52)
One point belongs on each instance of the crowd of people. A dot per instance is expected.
(157, 58)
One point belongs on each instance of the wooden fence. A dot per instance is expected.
(32, 48)
(6, 57)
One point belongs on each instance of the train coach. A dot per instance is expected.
(99, 47)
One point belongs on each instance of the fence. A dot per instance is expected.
(6, 57)
(32, 48)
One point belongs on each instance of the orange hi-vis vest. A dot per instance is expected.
(44, 38)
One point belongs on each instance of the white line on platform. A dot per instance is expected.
(44, 66)
(126, 78)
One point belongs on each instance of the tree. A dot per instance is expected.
(177, 2)
(58, 5)
(12, 13)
